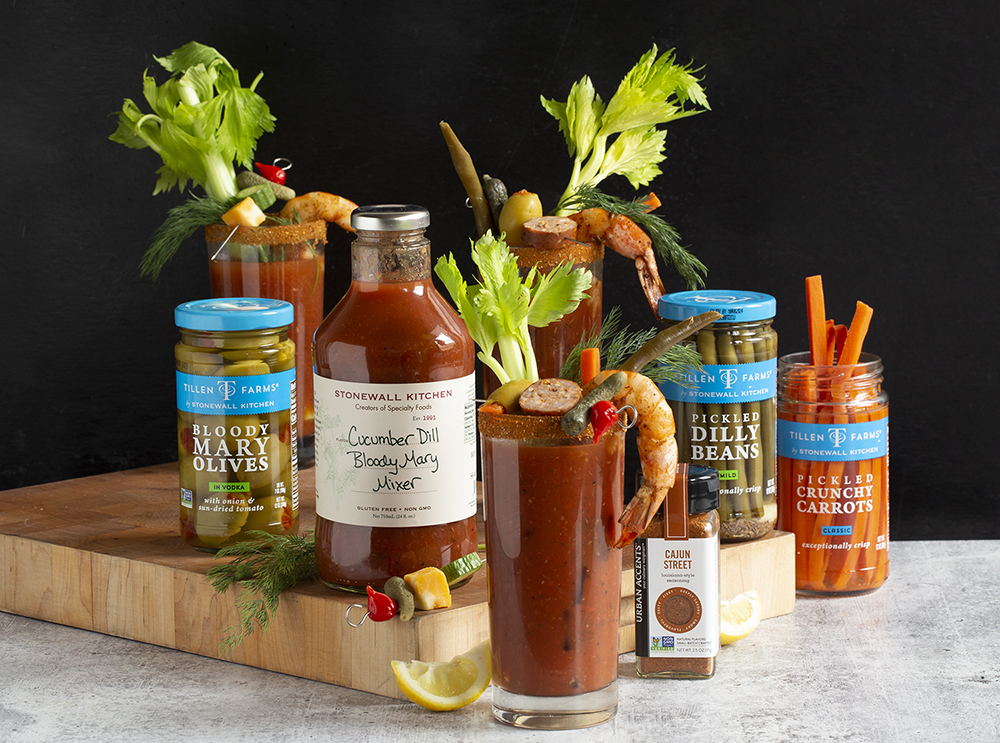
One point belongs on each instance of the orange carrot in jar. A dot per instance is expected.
(831, 340)
(856, 334)
(840, 335)
(816, 312)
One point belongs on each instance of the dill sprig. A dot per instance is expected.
(182, 221)
(261, 570)
(618, 343)
(665, 239)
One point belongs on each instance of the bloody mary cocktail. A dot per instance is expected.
(552, 504)
(553, 343)
(278, 262)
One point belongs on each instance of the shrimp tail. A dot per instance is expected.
(626, 238)
(638, 513)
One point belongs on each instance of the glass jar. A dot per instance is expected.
(284, 262)
(725, 418)
(833, 472)
(554, 342)
(395, 413)
(677, 581)
(236, 436)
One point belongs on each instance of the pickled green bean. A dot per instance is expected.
(466, 170)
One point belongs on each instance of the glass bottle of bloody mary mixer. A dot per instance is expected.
(395, 413)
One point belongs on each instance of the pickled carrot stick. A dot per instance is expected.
(856, 334)
(590, 364)
(816, 312)
(651, 201)
(831, 340)
(840, 335)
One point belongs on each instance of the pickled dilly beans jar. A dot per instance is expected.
(725, 415)
(236, 424)
(833, 472)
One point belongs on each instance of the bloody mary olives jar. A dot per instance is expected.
(395, 413)
(725, 416)
(236, 434)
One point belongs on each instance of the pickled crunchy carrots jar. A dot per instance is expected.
(833, 472)
(395, 413)
(236, 434)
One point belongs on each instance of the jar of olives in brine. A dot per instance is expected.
(725, 415)
(236, 420)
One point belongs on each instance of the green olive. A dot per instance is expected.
(518, 209)
(248, 368)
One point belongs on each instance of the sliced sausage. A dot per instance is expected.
(548, 233)
(550, 397)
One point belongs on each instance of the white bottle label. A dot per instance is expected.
(679, 598)
(395, 455)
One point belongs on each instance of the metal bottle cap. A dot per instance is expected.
(390, 217)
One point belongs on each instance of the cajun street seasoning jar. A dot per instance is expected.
(677, 581)
(395, 413)
(726, 418)
(236, 433)
(833, 472)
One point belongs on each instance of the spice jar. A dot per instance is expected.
(725, 417)
(677, 581)
(236, 420)
(395, 413)
(833, 472)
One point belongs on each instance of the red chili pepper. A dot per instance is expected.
(380, 606)
(603, 415)
(272, 172)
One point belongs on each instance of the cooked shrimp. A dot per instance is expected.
(320, 205)
(657, 450)
(626, 238)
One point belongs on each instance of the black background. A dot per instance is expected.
(855, 140)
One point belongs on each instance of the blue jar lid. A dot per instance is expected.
(734, 306)
(234, 313)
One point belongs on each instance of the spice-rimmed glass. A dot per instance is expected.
(278, 262)
(552, 504)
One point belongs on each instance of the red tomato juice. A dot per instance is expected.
(552, 509)
(299, 282)
(391, 333)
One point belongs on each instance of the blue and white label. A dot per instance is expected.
(833, 442)
(727, 383)
(262, 393)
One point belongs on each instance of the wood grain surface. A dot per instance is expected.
(104, 553)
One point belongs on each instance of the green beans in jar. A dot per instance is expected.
(725, 418)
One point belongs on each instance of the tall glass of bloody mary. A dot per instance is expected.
(552, 504)
(278, 262)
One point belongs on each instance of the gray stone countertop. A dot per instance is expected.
(917, 660)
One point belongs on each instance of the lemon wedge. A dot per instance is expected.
(443, 686)
(739, 617)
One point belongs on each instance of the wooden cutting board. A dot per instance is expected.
(104, 553)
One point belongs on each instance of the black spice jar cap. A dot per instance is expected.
(703, 489)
